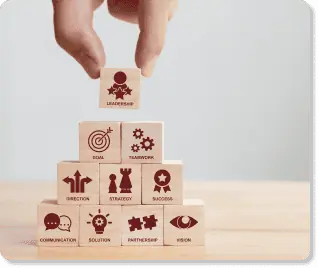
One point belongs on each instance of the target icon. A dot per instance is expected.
(99, 140)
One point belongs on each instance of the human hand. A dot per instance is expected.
(75, 34)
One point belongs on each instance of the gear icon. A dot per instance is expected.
(135, 148)
(138, 133)
(147, 144)
(99, 221)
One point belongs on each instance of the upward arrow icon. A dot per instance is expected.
(77, 181)
(77, 185)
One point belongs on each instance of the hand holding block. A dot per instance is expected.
(119, 88)
(142, 142)
(120, 184)
(162, 184)
(184, 224)
(142, 225)
(100, 225)
(99, 142)
(58, 225)
(78, 183)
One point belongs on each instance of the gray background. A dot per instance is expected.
(233, 87)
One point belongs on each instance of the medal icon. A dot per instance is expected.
(162, 179)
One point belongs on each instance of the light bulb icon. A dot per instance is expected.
(99, 222)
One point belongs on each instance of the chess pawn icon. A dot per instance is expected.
(112, 186)
(125, 184)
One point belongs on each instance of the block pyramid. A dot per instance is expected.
(121, 191)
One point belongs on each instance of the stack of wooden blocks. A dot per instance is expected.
(121, 191)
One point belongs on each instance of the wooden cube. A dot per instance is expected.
(99, 142)
(58, 225)
(162, 184)
(142, 225)
(100, 225)
(142, 142)
(120, 184)
(78, 183)
(120, 88)
(184, 224)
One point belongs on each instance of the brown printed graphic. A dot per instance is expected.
(53, 221)
(145, 143)
(162, 179)
(99, 222)
(77, 185)
(183, 222)
(148, 223)
(119, 88)
(99, 140)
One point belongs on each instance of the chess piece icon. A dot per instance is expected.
(112, 186)
(125, 184)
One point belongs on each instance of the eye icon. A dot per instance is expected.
(183, 222)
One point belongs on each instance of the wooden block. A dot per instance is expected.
(120, 184)
(100, 225)
(142, 142)
(78, 183)
(142, 225)
(120, 88)
(184, 224)
(162, 184)
(58, 225)
(99, 142)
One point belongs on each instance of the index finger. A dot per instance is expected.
(153, 20)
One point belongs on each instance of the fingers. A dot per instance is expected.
(153, 19)
(75, 34)
(124, 10)
(127, 10)
(173, 6)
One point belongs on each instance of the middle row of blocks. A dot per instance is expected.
(120, 184)
(121, 142)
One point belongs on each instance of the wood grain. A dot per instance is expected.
(100, 141)
(162, 184)
(142, 142)
(120, 92)
(244, 221)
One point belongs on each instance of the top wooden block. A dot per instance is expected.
(119, 88)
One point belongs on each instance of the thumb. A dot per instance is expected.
(75, 34)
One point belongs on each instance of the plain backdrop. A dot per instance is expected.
(233, 86)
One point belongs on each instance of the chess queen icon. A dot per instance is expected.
(119, 88)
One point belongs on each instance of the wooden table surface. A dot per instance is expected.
(244, 221)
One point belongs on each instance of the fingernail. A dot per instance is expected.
(149, 67)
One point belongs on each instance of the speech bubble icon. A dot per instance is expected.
(65, 223)
(51, 221)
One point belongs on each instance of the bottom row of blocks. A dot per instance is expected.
(115, 225)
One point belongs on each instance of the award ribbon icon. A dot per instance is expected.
(162, 179)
